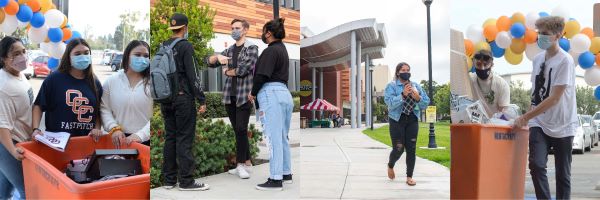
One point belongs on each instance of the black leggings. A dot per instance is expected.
(239, 118)
(404, 136)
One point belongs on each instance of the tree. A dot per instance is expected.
(425, 85)
(520, 96)
(586, 102)
(200, 24)
(442, 100)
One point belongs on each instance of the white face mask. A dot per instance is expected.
(19, 63)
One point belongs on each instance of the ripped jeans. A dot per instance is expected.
(404, 136)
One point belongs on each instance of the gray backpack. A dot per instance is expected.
(163, 74)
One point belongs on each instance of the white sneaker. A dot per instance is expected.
(248, 168)
(233, 171)
(242, 173)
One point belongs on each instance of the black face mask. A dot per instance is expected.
(483, 74)
(263, 38)
(404, 76)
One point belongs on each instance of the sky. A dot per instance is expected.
(103, 15)
(479, 11)
(406, 27)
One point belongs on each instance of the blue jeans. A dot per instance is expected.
(11, 176)
(275, 114)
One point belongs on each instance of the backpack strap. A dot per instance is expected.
(175, 42)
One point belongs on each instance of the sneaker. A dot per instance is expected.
(270, 185)
(287, 179)
(195, 187)
(242, 173)
(169, 186)
(248, 168)
(233, 171)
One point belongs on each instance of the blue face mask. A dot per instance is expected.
(544, 41)
(81, 62)
(139, 64)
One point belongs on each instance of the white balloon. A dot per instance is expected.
(580, 43)
(592, 76)
(532, 50)
(10, 24)
(575, 56)
(561, 12)
(503, 39)
(530, 19)
(54, 18)
(57, 49)
(475, 34)
(38, 35)
(45, 47)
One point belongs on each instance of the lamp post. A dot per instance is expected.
(371, 93)
(432, 143)
(275, 9)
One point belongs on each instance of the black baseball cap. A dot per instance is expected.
(178, 21)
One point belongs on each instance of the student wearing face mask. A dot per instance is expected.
(552, 116)
(126, 103)
(489, 88)
(405, 100)
(240, 59)
(275, 104)
(16, 98)
(70, 97)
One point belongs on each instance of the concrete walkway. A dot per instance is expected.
(343, 163)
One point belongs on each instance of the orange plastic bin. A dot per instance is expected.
(487, 161)
(43, 169)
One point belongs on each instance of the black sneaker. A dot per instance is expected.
(195, 187)
(287, 179)
(169, 186)
(270, 185)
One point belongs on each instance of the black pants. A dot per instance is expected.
(239, 118)
(539, 144)
(404, 136)
(180, 131)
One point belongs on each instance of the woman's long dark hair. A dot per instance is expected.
(398, 67)
(276, 27)
(5, 47)
(125, 61)
(65, 67)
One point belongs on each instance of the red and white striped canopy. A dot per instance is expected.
(319, 104)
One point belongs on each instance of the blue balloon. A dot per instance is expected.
(75, 34)
(25, 13)
(473, 69)
(517, 30)
(564, 44)
(497, 52)
(53, 63)
(543, 14)
(37, 20)
(586, 60)
(3, 3)
(597, 93)
(55, 34)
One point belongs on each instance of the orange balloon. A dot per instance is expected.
(64, 22)
(66, 34)
(598, 59)
(588, 31)
(490, 32)
(517, 46)
(34, 5)
(503, 23)
(530, 36)
(469, 48)
(517, 18)
(12, 8)
(1, 15)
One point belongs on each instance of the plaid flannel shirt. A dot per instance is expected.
(244, 72)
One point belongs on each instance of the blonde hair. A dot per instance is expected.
(553, 23)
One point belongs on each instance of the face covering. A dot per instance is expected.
(139, 64)
(185, 36)
(264, 38)
(19, 63)
(544, 41)
(236, 34)
(483, 74)
(404, 76)
(81, 62)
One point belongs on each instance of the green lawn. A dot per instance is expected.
(442, 138)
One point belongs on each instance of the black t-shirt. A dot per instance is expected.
(234, 61)
(272, 66)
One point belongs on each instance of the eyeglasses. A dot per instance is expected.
(482, 57)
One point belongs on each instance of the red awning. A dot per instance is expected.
(319, 104)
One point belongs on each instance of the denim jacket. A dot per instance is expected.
(393, 99)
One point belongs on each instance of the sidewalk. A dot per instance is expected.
(343, 163)
(227, 186)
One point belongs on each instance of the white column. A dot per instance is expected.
(353, 70)
(358, 85)
(367, 91)
(321, 87)
(314, 90)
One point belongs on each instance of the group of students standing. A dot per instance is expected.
(252, 80)
(72, 100)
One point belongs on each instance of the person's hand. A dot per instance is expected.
(230, 72)
(521, 122)
(407, 90)
(95, 134)
(415, 93)
(202, 109)
(18, 153)
(133, 138)
(36, 132)
(251, 98)
(117, 137)
(223, 59)
(225, 71)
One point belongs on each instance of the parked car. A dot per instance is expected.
(32, 55)
(115, 63)
(582, 141)
(587, 119)
(107, 56)
(40, 66)
(596, 123)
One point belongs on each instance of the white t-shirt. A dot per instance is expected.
(16, 98)
(495, 83)
(130, 108)
(560, 120)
